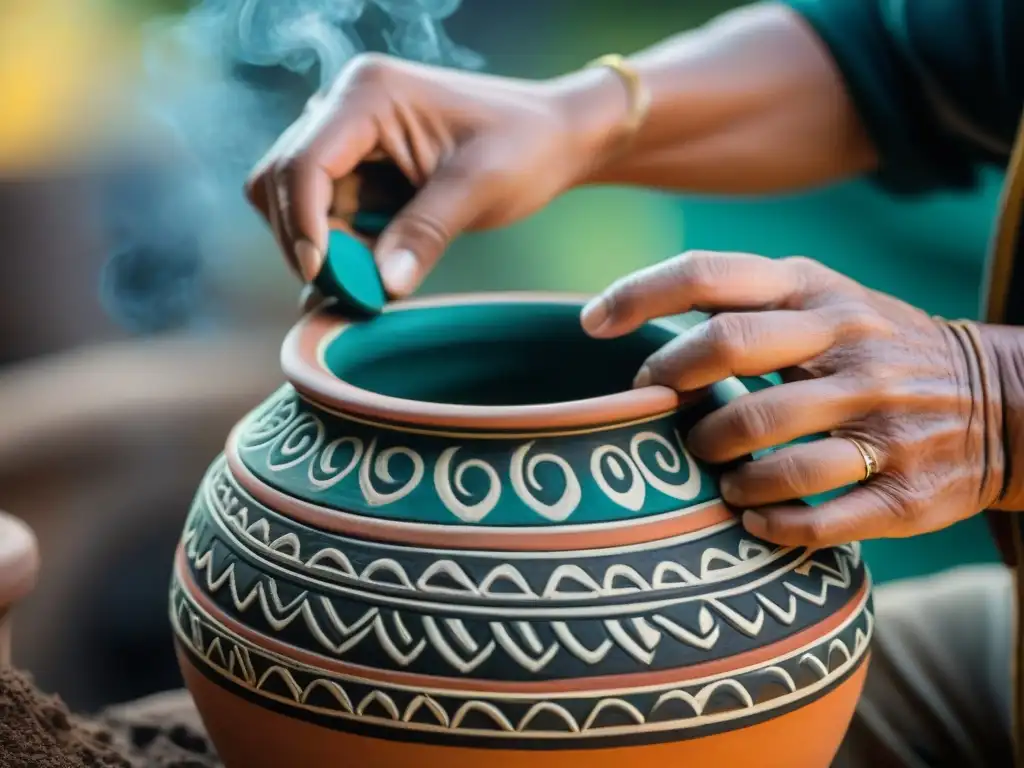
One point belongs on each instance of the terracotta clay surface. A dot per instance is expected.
(780, 743)
(457, 536)
(303, 365)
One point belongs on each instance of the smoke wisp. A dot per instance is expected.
(221, 83)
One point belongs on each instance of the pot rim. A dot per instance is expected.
(302, 360)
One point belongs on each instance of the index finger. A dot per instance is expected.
(331, 144)
(697, 280)
(259, 187)
(336, 132)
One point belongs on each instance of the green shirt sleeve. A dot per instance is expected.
(935, 81)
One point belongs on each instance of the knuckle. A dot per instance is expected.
(859, 322)
(664, 371)
(700, 271)
(728, 335)
(803, 264)
(810, 271)
(752, 423)
(809, 531)
(736, 486)
(813, 276)
(880, 383)
(425, 229)
(875, 371)
(623, 301)
(814, 531)
(748, 486)
(504, 177)
(792, 474)
(773, 531)
(870, 324)
(290, 167)
(370, 68)
(494, 174)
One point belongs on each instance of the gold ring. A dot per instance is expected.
(870, 459)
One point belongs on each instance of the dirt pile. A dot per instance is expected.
(37, 731)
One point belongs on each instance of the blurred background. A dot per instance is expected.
(142, 304)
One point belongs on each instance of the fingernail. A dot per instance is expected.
(400, 272)
(309, 258)
(755, 524)
(726, 486)
(594, 317)
(642, 378)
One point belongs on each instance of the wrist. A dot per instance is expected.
(978, 409)
(601, 113)
(1003, 350)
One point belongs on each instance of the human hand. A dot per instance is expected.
(856, 363)
(483, 152)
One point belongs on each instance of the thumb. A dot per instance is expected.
(416, 239)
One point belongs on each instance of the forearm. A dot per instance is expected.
(750, 103)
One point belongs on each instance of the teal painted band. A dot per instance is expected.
(620, 474)
(481, 355)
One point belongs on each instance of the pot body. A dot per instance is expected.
(355, 588)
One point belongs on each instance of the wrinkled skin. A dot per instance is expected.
(858, 363)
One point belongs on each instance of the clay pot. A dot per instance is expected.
(19, 566)
(457, 538)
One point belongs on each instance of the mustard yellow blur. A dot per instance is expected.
(59, 62)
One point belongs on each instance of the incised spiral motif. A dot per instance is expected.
(592, 477)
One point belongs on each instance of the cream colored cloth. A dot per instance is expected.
(939, 687)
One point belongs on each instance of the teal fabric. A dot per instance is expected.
(938, 83)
